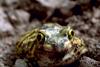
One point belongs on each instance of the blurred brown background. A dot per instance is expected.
(20, 16)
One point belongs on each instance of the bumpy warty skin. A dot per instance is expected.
(51, 45)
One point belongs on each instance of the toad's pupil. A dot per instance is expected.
(72, 33)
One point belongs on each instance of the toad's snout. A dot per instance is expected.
(75, 47)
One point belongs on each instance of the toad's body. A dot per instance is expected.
(51, 45)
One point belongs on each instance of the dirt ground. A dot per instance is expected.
(20, 16)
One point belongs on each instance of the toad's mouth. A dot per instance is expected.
(73, 55)
(76, 48)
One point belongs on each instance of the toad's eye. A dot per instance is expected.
(70, 34)
(67, 31)
(41, 36)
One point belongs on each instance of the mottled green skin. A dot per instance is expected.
(51, 45)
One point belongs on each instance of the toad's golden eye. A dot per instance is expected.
(67, 31)
(70, 34)
(40, 36)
